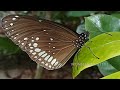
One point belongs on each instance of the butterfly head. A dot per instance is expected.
(83, 37)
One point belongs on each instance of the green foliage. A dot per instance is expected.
(113, 76)
(101, 46)
(106, 68)
(101, 23)
(7, 46)
(79, 13)
(117, 15)
(115, 62)
(104, 23)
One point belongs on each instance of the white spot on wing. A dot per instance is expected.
(37, 38)
(5, 21)
(50, 58)
(35, 44)
(48, 51)
(29, 44)
(19, 41)
(6, 28)
(14, 37)
(31, 51)
(40, 20)
(32, 40)
(25, 38)
(42, 62)
(53, 61)
(11, 24)
(53, 47)
(49, 66)
(51, 39)
(39, 59)
(22, 43)
(31, 47)
(46, 64)
(41, 53)
(34, 53)
(44, 55)
(46, 58)
(35, 57)
(37, 50)
(13, 19)
(16, 16)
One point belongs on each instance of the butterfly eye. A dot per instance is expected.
(47, 43)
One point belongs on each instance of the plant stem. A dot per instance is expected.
(38, 72)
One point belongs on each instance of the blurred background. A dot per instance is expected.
(16, 64)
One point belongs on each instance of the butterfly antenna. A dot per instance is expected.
(108, 33)
(91, 51)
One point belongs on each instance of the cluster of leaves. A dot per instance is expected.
(103, 44)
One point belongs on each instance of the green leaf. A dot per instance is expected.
(79, 13)
(106, 68)
(7, 46)
(103, 46)
(110, 66)
(113, 76)
(117, 15)
(101, 23)
(115, 62)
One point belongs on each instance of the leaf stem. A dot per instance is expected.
(39, 70)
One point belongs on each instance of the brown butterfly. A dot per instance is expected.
(47, 43)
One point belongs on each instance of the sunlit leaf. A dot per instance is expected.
(102, 46)
(113, 76)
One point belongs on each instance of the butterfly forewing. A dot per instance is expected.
(47, 43)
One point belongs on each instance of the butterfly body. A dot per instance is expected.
(47, 43)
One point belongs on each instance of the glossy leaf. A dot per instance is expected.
(98, 24)
(113, 76)
(115, 62)
(102, 46)
(106, 68)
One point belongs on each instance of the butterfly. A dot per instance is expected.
(47, 43)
